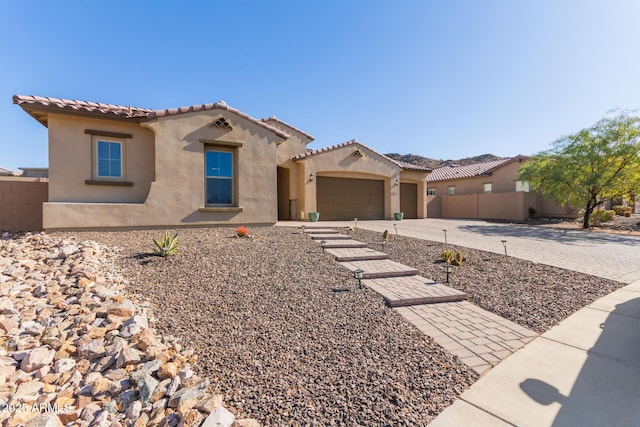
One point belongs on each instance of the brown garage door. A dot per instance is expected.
(409, 200)
(348, 198)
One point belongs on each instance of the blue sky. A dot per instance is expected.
(443, 79)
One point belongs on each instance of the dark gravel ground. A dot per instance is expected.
(533, 295)
(285, 334)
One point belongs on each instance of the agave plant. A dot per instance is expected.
(166, 245)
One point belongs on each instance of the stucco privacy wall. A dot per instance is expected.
(342, 163)
(21, 203)
(177, 196)
(72, 160)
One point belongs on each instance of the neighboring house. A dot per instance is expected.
(35, 172)
(488, 190)
(8, 172)
(120, 166)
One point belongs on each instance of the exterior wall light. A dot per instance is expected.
(312, 176)
(396, 182)
(359, 274)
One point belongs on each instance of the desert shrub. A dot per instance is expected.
(166, 245)
(621, 210)
(533, 213)
(242, 231)
(458, 259)
(603, 215)
(627, 214)
(448, 256)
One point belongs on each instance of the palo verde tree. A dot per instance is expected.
(591, 166)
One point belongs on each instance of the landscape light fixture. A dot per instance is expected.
(396, 227)
(355, 222)
(323, 245)
(359, 274)
(312, 176)
(504, 243)
(448, 269)
(445, 235)
(396, 182)
(384, 244)
(303, 227)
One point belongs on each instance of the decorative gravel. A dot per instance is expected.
(285, 334)
(536, 296)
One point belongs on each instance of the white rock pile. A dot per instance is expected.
(75, 351)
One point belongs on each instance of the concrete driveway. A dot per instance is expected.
(611, 256)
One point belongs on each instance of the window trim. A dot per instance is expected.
(96, 179)
(110, 141)
(222, 207)
(484, 187)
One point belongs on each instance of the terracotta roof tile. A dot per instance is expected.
(448, 172)
(277, 120)
(128, 112)
(402, 165)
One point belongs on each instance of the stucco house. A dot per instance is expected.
(487, 190)
(113, 166)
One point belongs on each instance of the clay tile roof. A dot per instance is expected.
(277, 120)
(81, 106)
(449, 172)
(402, 165)
(125, 112)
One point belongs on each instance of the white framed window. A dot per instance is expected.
(109, 159)
(219, 176)
(488, 187)
(431, 191)
(451, 190)
(522, 186)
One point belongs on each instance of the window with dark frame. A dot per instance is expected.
(219, 177)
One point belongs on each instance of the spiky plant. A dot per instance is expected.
(447, 256)
(166, 245)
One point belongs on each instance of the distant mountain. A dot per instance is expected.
(434, 163)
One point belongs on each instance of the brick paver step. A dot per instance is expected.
(330, 237)
(321, 231)
(344, 244)
(356, 254)
(413, 290)
(480, 339)
(377, 269)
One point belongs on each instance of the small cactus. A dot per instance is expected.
(385, 235)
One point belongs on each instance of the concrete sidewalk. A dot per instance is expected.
(611, 256)
(583, 372)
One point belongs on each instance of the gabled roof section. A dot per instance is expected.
(277, 120)
(354, 142)
(449, 172)
(8, 172)
(39, 106)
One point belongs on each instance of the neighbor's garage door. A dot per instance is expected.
(409, 200)
(348, 198)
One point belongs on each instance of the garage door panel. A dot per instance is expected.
(348, 198)
(409, 200)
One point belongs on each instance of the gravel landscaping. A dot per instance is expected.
(284, 333)
(533, 295)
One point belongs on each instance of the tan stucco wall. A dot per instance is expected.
(71, 159)
(177, 195)
(341, 163)
(296, 144)
(21, 203)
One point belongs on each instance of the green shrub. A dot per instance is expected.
(603, 215)
(621, 210)
(166, 245)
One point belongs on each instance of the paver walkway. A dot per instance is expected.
(479, 338)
